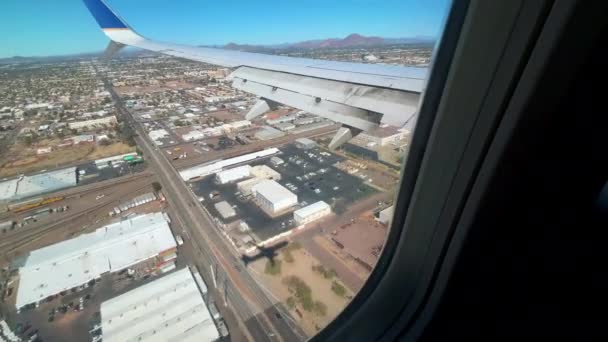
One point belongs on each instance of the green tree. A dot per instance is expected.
(319, 308)
(338, 289)
(156, 186)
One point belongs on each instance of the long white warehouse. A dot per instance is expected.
(170, 308)
(312, 212)
(28, 186)
(217, 166)
(70, 263)
(233, 174)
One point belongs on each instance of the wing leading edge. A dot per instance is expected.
(360, 96)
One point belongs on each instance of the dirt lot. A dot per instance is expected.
(226, 116)
(22, 159)
(321, 288)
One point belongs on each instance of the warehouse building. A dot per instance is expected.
(386, 216)
(217, 166)
(245, 186)
(285, 126)
(225, 210)
(265, 172)
(276, 161)
(170, 308)
(231, 175)
(311, 213)
(382, 136)
(268, 133)
(273, 197)
(71, 263)
(305, 143)
(27, 186)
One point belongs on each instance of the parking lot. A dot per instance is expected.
(74, 315)
(309, 174)
(92, 173)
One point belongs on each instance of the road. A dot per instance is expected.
(264, 320)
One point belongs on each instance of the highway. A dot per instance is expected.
(264, 320)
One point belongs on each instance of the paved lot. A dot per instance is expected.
(310, 172)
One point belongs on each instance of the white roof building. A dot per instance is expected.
(265, 172)
(27, 186)
(312, 212)
(273, 197)
(216, 166)
(233, 174)
(8, 189)
(225, 210)
(158, 134)
(170, 308)
(70, 263)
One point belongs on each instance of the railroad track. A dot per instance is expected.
(87, 189)
(25, 237)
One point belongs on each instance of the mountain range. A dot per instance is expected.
(353, 40)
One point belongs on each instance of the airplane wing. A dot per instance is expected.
(360, 96)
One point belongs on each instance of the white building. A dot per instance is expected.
(158, 134)
(306, 143)
(311, 213)
(245, 186)
(108, 120)
(193, 135)
(273, 197)
(225, 210)
(386, 215)
(219, 165)
(170, 308)
(268, 133)
(265, 172)
(37, 184)
(383, 135)
(71, 263)
(234, 174)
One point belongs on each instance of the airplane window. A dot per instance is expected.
(200, 170)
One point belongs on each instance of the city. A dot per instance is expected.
(276, 230)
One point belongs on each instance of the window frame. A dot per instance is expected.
(466, 97)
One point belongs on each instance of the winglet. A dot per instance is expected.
(105, 17)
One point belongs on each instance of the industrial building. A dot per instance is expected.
(386, 215)
(217, 166)
(170, 308)
(27, 186)
(245, 186)
(225, 210)
(273, 197)
(285, 126)
(305, 143)
(265, 172)
(268, 133)
(381, 136)
(234, 174)
(311, 213)
(282, 119)
(71, 263)
(276, 161)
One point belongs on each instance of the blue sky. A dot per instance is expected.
(55, 27)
